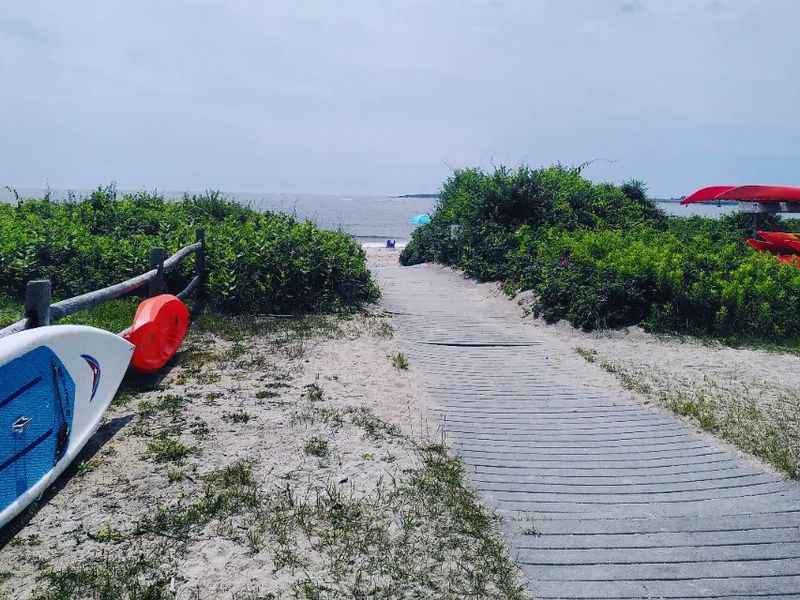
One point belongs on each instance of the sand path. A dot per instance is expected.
(603, 497)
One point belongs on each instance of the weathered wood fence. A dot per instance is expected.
(38, 293)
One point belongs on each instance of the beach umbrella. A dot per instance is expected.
(421, 220)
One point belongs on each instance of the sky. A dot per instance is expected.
(385, 96)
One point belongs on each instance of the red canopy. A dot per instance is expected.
(749, 193)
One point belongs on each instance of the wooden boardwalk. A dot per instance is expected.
(602, 497)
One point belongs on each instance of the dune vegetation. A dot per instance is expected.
(257, 262)
(603, 256)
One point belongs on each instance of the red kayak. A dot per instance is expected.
(706, 194)
(158, 330)
(762, 194)
(784, 246)
(764, 246)
(782, 238)
(790, 259)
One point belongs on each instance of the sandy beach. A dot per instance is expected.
(301, 412)
(267, 462)
(225, 402)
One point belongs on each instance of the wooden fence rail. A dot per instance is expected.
(39, 311)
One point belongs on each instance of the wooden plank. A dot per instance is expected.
(602, 497)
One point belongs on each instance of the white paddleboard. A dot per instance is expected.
(55, 384)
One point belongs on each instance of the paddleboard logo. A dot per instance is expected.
(95, 367)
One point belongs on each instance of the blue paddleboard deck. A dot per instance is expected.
(37, 399)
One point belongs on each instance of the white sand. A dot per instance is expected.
(124, 486)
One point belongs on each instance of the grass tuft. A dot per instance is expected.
(226, 492)
(136, 578)
(399, 361)
(114, 315)
(87, 466)
(373, 426)
(171, 404)
(165, 448)
(314, 392)
(630, 381)
(588, 354)
(237, 417)
(317, 447)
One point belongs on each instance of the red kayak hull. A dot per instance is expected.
(782, 245)
(790, 259)
(782, 239)
(706, 194)
(762, 194)
(764, 246)
(159, 327)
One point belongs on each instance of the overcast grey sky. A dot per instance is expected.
(377, 96)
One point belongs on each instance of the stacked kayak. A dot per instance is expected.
(56, 382)
(769, 198)
(759, 194)
(784, 246)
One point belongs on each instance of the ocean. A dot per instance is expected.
(369, 219)
(702, 210)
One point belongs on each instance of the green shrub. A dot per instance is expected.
(603, 256)
(701, 285)
(477, 215)
(257, 262)
(10, 311)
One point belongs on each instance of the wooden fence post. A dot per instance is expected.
(157, 285)
(38, 294)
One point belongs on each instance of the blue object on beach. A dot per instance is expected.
(37, 397)
(421, 220)
(390, 243)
